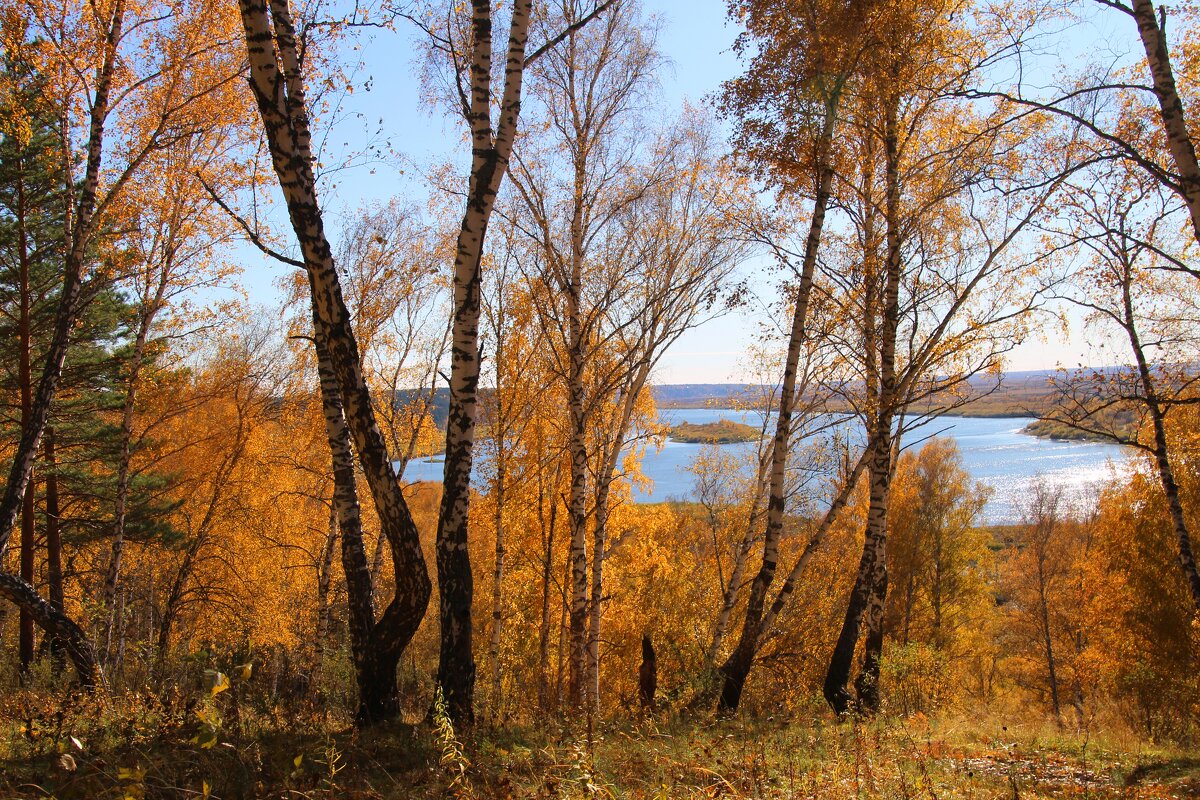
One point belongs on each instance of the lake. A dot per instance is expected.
(994, 451)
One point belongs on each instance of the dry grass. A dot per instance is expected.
(133, 746)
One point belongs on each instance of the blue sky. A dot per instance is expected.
(696, 39)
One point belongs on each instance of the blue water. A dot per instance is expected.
(994, 451)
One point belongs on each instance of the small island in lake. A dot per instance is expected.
(723, 431)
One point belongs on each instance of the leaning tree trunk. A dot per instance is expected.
(814, 542)
(55, 624)
(1170, 106)
(729, 596)
(1160, 447)
(25, 389)
(375, 701)
(864, 595)
(277, 83)
(737, 666)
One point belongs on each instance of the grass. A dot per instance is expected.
(139, 747)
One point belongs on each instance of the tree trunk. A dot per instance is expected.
(596, 598)
(866, 686)
(611, 453)
(935, 590)
(69, 301)
(863, 597)
(324, 581)
(26, 640)
(1170, 106)
(577, 514)
(849, 481)
(25, 389)
(1160, 447)
(1047, 637)
(737, 666)
(869, 594)
(489, 164)
(56, 624)
(498, 569)
(729, 597)
(547, 572)
(54, 574)
(112, 576)
(271, 45)
(647, 675)
(80, 227)
(345, 511)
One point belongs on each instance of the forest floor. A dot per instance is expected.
(137, 748)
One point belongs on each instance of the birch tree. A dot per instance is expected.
(634, 239)
(492, 120)
(172, 248)
(787, 107)
(1124, 226)
(277, 83)
(1111, 101)
(932, 308)
(619, 61)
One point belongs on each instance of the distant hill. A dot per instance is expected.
(700, 395)
(1020, 394)
(441, 403)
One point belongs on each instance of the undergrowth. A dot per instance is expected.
(221, 745)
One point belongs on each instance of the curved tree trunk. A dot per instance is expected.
(1160, 447)
(375, 701)
(277, 84)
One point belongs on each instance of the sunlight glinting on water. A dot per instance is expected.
(994, 451)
